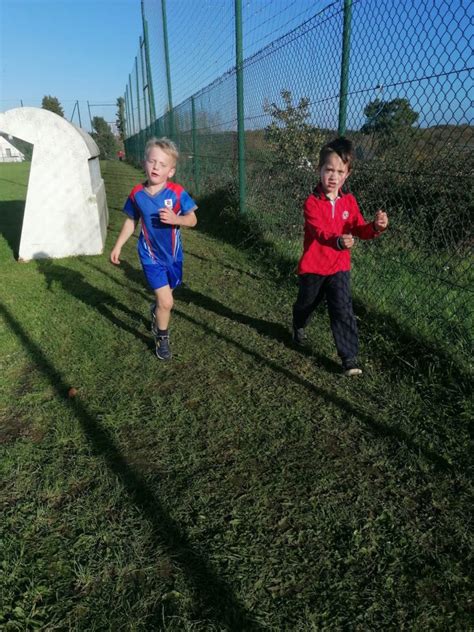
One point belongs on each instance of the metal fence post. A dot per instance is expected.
(168, 71)
(131, 101)
(151, 96)
(195, 148)
(240, 104)
(74, 110)
(346, 49)
(145, 109)
(127, 113)
(90, 115)
(138, 95)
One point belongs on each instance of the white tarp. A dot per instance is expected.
(66, 209)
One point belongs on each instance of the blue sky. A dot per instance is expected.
(85, 50)
(71, 49)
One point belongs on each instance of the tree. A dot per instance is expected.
(120, 120)
(292, 138)
(289, 159)
(52, 104)
(106, 141)
(390, 119)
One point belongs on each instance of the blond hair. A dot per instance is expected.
(165, 144)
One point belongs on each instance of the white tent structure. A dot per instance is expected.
(66, 209)
(9, 153)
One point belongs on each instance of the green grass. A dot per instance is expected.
(426, 292)
(13, 186)
(243, 486)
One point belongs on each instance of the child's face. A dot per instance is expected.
(159, 166)
(333, 174)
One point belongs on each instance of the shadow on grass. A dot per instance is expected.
(377, 427)
(280, 334)
(449, 382)
(269, 329)
(184, 294)
(220, 218)
(75, 284)
(11, 222)
(416, 356)
(227, 266)
(214, 594)
(127, 270)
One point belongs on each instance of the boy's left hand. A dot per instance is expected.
(167, 216)
(380, 221)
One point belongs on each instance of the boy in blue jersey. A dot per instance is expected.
(162, 207)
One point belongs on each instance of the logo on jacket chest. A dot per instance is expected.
(345, 214)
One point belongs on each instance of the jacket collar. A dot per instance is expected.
(319, 193)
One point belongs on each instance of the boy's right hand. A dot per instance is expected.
(115, 256)
(346, 242)
(380, 221)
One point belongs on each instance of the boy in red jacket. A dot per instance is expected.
(332, 219)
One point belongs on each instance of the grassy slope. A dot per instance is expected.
(245, 485)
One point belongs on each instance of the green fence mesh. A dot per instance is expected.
(409, 113)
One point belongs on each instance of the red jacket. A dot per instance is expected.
(324, 223)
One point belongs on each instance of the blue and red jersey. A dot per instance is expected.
(158, 242)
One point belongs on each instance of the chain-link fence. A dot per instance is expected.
(409, 114)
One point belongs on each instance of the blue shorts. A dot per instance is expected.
(158, 275)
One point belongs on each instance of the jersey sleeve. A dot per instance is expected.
(130, 210)
(187, 204)
(131, 207)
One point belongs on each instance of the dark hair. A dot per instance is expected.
(342, 147)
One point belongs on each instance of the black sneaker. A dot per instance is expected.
(350, 367)
(163, 351)
(154, 328)
(299, 336)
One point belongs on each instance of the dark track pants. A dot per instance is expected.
(336, 288)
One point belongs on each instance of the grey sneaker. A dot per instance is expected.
(299, 336)
(154, 328)
(350, 367)
(163, 351)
